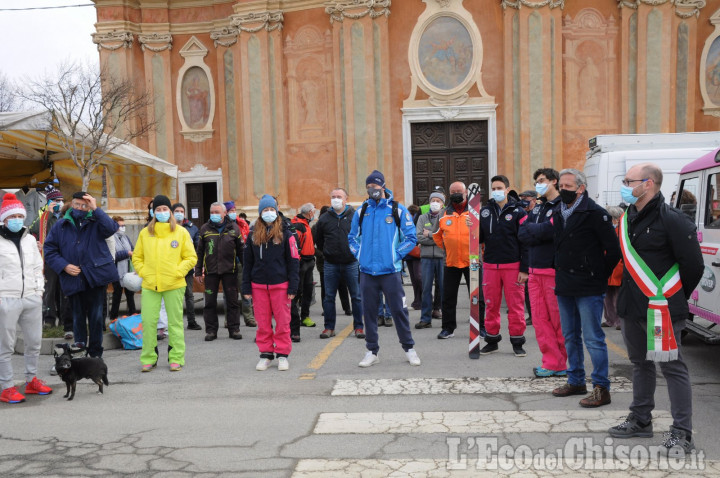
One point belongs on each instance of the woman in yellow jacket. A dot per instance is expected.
(163, 256)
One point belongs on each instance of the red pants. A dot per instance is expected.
(269, 301)
(496, 279)
(546, 319)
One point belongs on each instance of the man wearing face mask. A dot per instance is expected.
(586, 252)
(332, 231)
(218, 251)
(663, 265)
(77, 250)
(178, 210)
(505, 268)
(246, 310)
(55, 304)
(537, 234)
(432, 260)
(382, 233)
(301, 303)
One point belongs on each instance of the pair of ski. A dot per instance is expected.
(474, 206)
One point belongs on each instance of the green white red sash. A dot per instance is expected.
(661, 344)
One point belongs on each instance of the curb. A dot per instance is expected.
(110, 342)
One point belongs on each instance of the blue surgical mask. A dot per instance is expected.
(77, 214)
(216, 218)
(269, 216)
(179, 216)
(541, 188)
(232, 216)
(626, 192)
(162, 216)
(152, 213)
(14, 224)
(524, 203)
(498, 196)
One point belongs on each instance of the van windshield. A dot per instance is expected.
(687, 202)
(712, 211)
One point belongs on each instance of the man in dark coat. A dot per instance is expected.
(77, 251)
(178, 210)
(657, 239)
(586, 252)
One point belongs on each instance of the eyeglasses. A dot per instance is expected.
(627, 182)
(79, 206)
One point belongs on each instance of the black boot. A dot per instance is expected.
(492, 344)
(192, 325)
(517, 343)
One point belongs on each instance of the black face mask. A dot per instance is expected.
(568, 197)
(375, 194)
(456, 198)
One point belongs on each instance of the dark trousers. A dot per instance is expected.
(334, 273)
(451, 285)
(190, 298)
(415, 271)
(391, 285)
(342, 288)
(56, 307)
(645, 372)
(87, 309)
(300, 307)
(232, 304)
(117, 295)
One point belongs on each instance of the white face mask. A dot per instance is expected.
(336, 203)
(435, 206)
(121, 229)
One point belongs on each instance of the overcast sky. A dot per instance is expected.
(35, 41)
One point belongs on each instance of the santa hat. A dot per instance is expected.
(11, 206)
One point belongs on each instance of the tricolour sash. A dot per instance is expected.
(661, 344)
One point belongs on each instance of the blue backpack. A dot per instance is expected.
(129, 331)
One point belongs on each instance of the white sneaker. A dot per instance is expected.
(370, 359)
(53, 372)
(283, 364)
(412, 357)
(263, 364)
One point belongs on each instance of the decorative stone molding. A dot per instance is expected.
(254, 22)
(155, 42)
(356, 9)
(445, 56)
(533, 4)
(449, 113)
(683, 8)
(710, 74)
(195, 93)
(225, 36)
(113, 40)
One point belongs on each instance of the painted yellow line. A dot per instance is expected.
(327, 351)
(307, 376)
(617, 349)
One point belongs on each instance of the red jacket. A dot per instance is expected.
(307, 244)
(244, 228)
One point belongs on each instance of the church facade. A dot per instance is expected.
(296, 97)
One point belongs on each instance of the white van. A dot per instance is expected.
(610, 157)
(698, 196)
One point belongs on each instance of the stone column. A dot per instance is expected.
(362, 93)
(156, 46)
(533, 98)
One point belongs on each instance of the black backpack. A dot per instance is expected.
(364, 209)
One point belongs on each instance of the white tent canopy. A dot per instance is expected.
(29, 149)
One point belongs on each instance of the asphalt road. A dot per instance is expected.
(328, 417)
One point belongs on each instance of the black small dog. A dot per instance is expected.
(73, 369)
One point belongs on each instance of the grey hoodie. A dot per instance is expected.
(428, 248)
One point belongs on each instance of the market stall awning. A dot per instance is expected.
(29, 148)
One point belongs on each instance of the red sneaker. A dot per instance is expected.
(37, 386)
(11, 395)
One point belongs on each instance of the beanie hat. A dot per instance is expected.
(437, 194)
(265, 202)
(54, 195)
(11, 206)
(229, 205)
(376, 177)
(161, 200)
(177, 205)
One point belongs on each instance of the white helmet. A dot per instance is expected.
(131, 281)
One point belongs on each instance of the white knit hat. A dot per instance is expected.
(11, 206)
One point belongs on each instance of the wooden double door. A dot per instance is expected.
(450, 151)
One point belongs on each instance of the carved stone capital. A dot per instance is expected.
(356, 9)
(533, 4)
(683, 8)
(254, 22)
(113, 40)
(225, 36)
(156, 42)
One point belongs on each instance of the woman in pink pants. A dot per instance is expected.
(270, 277)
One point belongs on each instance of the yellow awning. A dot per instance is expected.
(28, 148)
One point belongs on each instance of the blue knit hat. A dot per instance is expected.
(376, 177)
(265, 202)
(229, 205)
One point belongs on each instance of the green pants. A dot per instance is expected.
(150, 313)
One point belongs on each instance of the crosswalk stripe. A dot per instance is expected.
(317, 468)
(455, 386)
(488, 421)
